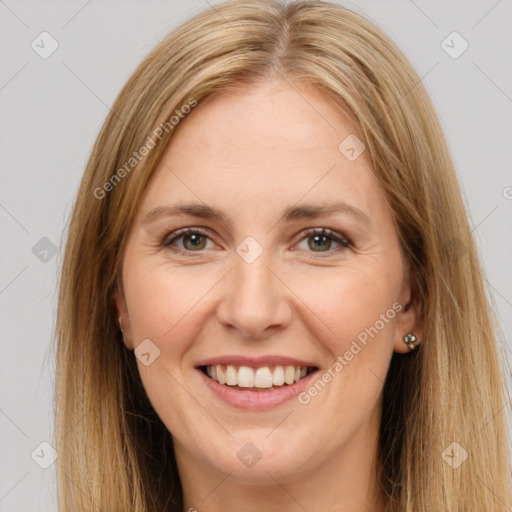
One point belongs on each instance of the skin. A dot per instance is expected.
(252, 154)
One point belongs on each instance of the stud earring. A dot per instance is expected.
(409, 340)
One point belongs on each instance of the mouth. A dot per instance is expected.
(258, 379)
(256, 383)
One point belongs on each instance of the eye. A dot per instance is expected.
(194, 240)
(319, 239)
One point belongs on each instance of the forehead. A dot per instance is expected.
(267, 119)
(269, 144)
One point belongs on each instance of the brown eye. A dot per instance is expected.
(193, 240)
(321, 240)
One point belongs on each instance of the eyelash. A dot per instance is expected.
(343, 241)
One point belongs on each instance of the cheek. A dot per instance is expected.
(162, 301)
(166, 305)
(353, 313)
(345, 303)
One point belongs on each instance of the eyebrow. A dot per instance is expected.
(305, 211)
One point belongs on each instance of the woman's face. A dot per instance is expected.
(253, 289)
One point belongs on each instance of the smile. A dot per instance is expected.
(264, 378)
(256, 383)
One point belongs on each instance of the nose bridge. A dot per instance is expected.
(254, 298)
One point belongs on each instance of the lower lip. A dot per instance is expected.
(256, 400)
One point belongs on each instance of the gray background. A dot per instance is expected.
(52, 109)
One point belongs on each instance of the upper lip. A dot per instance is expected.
(255, 362)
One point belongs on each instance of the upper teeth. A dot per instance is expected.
(264, 377)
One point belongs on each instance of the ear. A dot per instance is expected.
(123, 318)
(408, 319)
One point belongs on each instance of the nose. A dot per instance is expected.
(255, 301)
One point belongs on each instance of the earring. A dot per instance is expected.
(409, 340)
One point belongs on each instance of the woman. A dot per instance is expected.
(270, 298)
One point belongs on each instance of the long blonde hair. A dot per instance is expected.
(114, 452)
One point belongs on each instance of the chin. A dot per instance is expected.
(258, 457)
